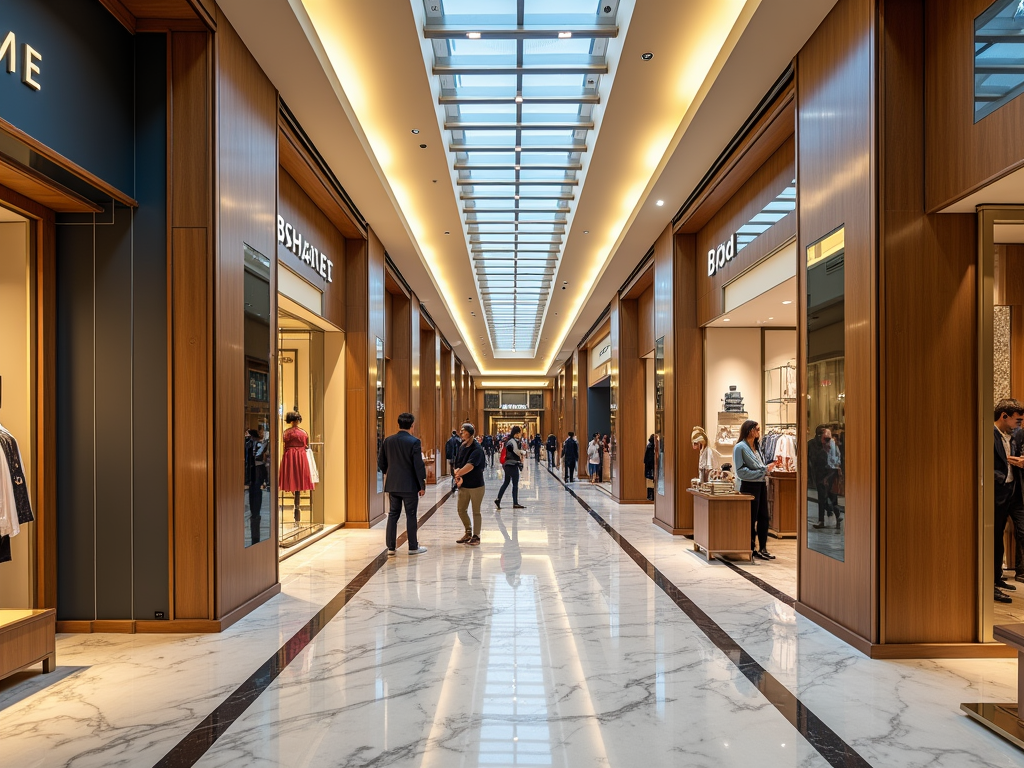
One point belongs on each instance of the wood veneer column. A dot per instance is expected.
(675, 437)
(628, 484)
(426, 415)
(191, 322)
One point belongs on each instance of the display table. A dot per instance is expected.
(1004, 718)
(27, 638)
(721, 523)
(431, 465)
(782, 505)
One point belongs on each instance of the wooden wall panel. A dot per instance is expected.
(962, 155)
(190, 328)
(925, 599)
(771, 179)
(581, 364)
(190, 128)
(398, 381)
(645, 321)
(426, 416)
(628, 484)
(445, 390)
(550, 424)
(373, 288)
(836, 160)
(414, 355)
(247, 177)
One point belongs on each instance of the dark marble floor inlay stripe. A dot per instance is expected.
(191, 749)
(778, 594)
(827, 742)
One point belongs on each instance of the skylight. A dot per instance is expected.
(518, 83)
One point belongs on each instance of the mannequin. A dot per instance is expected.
(708, 462)
(295, 476)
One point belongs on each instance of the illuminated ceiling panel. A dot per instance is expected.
(519, 80)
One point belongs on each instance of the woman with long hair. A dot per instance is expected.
(752, 472)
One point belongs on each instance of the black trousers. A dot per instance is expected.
(489, 455)
(257, 477)
(758, 513)
(511, 476)
(825, 504)
(570, 469)
(411, 501)
(1011, 510)
(551, 457)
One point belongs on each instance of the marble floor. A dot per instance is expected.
(550, 644)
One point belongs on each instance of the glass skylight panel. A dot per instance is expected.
(998, 56)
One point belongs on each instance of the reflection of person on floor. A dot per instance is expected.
(818, 452)
(511, 554)
(295, 476)
(1008, 439)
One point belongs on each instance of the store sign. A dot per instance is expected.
(27, 60)
(293, 240)
(517, 407)
(722, 255)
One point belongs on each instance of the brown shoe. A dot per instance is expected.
(465, 539)
(474, 542)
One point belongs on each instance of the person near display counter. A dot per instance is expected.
(1008, 441)
(752, 472)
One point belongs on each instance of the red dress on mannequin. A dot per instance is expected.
(294, 475)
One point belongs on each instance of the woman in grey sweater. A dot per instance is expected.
(752, 472)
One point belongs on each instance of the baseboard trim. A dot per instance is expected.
(906, 651)
(173, 627)
(674, 531)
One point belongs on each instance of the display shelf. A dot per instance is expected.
(780, 400)
(27, 637)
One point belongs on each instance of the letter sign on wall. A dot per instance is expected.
(29, 57)
(291, 239)
(722, 255)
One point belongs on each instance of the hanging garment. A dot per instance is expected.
(12, 454)
(785, 449)
(9, 525)
(5, 549)
(314, 473)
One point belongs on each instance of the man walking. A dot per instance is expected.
(488, 445)
(570, 455)
(470, 478)
(552, 446)
(514, 454)
(1008, 483)
(405, 480)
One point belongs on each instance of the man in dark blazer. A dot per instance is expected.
(405, 480)
(1007, 438)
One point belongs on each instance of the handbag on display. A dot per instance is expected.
(312, 465)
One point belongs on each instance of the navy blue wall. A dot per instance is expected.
(112, 494)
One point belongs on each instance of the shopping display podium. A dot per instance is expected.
(721, 523)
(1004, 719)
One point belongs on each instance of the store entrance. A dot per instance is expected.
(750, 358)
(1001, 377)
(17, 401)
(599, 423)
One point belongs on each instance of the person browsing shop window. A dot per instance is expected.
(1009, 465)
(752, 472)
(470, 479)
(594, 459)
(514, 454)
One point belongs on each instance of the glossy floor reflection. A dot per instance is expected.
(546, 645)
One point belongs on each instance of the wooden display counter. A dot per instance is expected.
(782, 505)
(721, 523)
(27, 638)
(431, 465)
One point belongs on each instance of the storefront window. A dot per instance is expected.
(258, 451)
(826, 396)
(998, 56)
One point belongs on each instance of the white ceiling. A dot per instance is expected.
(358, 78)
(768, 310)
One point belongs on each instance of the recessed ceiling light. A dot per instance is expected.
(517, 197)
(647, 56)
(519, 149)
(519, 99)
(564, 35)
(660, 203)
(586, 231)
(473, 35)
(787, 302)
(423, 146)
(416, 130)
(771, 318)
(726, 320)
(517, 167)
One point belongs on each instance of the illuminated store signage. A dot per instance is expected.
(516, 407)
(720, 256)
(291, 239)
(28, 60)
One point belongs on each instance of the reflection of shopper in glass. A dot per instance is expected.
(470, 478)
(751, 470)
(649, 467)
(708, 461)
(511, 554)
(822, 474)
(294, 476)
(1007, 487)
(514, 454)
(255, 470)
(405, 480)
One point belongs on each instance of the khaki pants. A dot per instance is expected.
(476, 495)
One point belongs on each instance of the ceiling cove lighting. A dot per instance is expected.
(518, 138)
